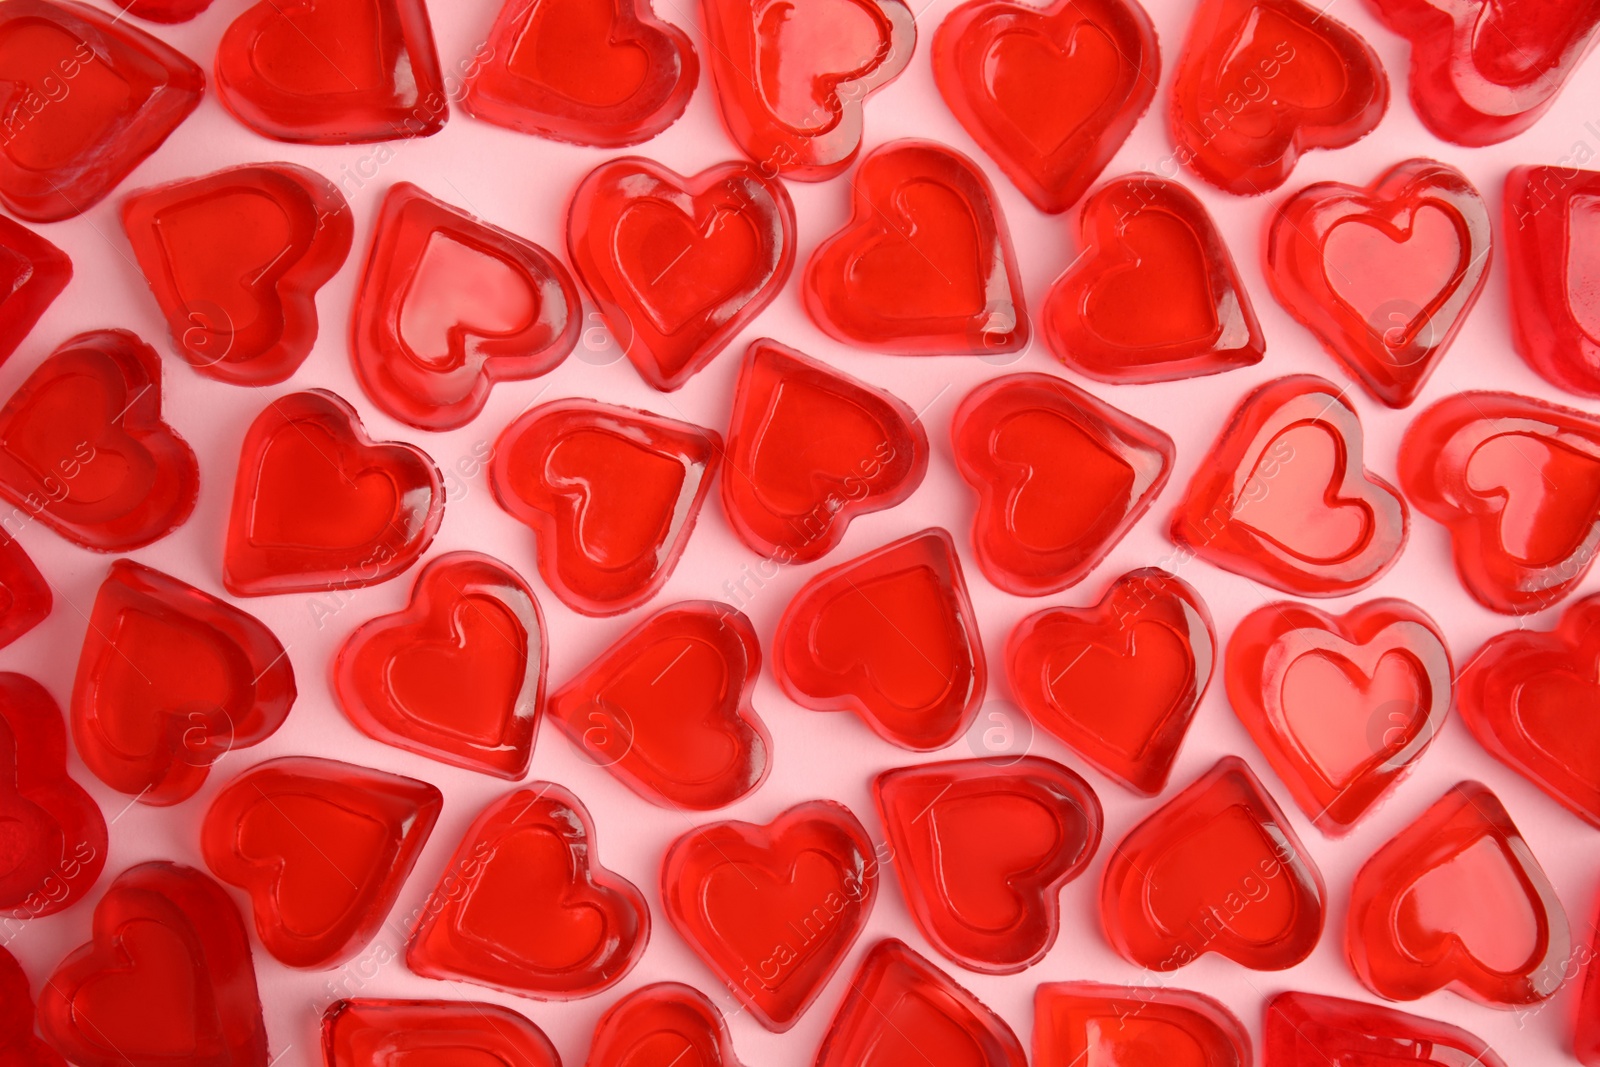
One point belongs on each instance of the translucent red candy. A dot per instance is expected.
(1383, 275)
(84, 450)
(1283, 498)
(89, 98)
(811, 448)
(448, 306)
(1261, 81)
(431, 1033)
(1551, 235)
(660, 1024)
(679, 265)
(773, 910)
(524, 905)
(32, 274)
(1516, 482)
(1586, 1031)
(321, 847)
(1078, 1024)
(1457, 901)
(333, 71)
(165, 10)
(1307, 1030)
(1050, 94)
(19, 1044)
(611, 493)
(318, 505)
(983, 848)
(1341, 705)
(170, 680)
(25, 596)
(1061, 477)
(925, 264)
(1118, 681)
(167, 978)
(1217, 868)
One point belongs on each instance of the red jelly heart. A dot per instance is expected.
(1283, 498)
(1154, 296)
(431, 1033)
(1383, 275)
(1341, 705)
(774, 909)
(450, 305)
(1118, 681)
(925, 265)
(1586, 1032)
(319, 505)
(322, 848)
(166, 979)
(988, 900)
(611, 493)
(662, 1025)
(32, 274)
(52, 835)
(1516, 481)
(1456, 901)
(809, 449)
(525, 906)
(19, 1047)
(165, 10)
(901, 1009)
(1307, 1030)
(83, 448)
(1061, 477)
(1481, 71)
(25, 597)
(459, 674)
(333, 71)
(593, 72)
(679, 265)
(1551, 230)
(1084, 1024)
(242, 310)
(1217, 868)
(792, 81)
(1261, 81)
(89, 98)
(890, 636)
(667, 708)
(170, 680)
(1049, 94)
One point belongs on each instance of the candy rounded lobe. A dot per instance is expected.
(369, 1032)
(1306, 1029)
(1551, 230)
(1075, 1023)
(19, 1043)
(33, 272)
(665, 1022)
(25, 596)
(168, 11)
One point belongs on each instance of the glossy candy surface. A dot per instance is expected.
(25, 596)
(1077, 1024)
(32, 274)
(1551, 234)
(19, 1044)
(665, 1024)
(366, 1032)
(1308, 1030)
(165, 10)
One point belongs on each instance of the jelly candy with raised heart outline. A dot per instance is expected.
(32, 274)
(666, 1020)
(364, 1032)
(1079, 1023)
(1308, 1030)
(1551, 229)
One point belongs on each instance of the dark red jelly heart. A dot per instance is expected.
(449, 305)
(1586, 1029)
(322, 848)
(679, 265)
(319, 505)
(901, 1009)
(1082, 1024)
(431, 1033)
(1154, 296)
(25, 596)
(89, 97)
(773, 910)
(165, 10)
(1341, 705)
(1061, 477)
(1118, 681)
(667, 708)
(1261, 81)
(984, 899)
(1457, 901)
(32, 274)
(611, 493)
(170, 680)
(166, 979)
(594, 72)
(660, 1025)
(1551, 235)
(1516, 481)
(524, 905)
(1050, 94)
(459, 674)
(1385, 274)
(1217, 868)
(333, 71)
(1307, 1030)
(84, 450)
(792, 82)
(52, 835)
(1283, 497)
(19, 1044)
(809, 449)
(241, 310)
(890, 636)
(925, 265)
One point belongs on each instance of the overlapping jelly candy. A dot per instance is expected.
(662, 1023)
(363, 1032)
(19, 1044)
(32, 274)
(1080, 1023)
(1551, 230)
(25, 596)
(1308, 1030)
